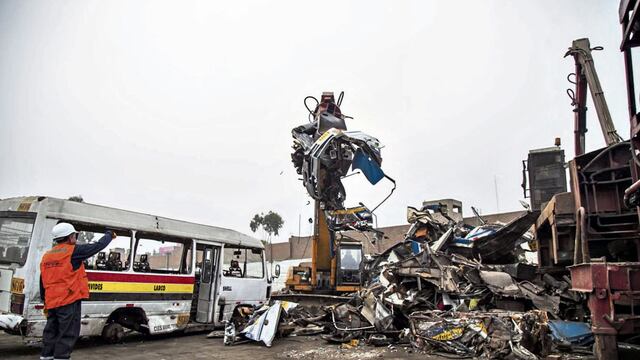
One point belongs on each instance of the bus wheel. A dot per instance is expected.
(113, 333)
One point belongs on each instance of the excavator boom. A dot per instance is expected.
(324, 152)
(587, 77)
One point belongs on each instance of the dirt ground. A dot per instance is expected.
(198, 346)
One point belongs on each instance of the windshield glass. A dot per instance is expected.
(15, 233)
(350, 259)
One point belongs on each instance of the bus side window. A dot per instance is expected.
(160, 254)
(242, 262)
(115, 257)
(254, 266)
(233, 262)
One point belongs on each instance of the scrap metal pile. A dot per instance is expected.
(477, 268)
(436, 291)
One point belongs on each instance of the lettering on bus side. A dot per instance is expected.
(95, 286)
(226, 288)
(159, 287)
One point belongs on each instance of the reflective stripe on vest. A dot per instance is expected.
(62, 285)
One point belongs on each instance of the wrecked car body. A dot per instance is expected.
(324, 152)
(335, 152)
(494, 243)
(494, 335)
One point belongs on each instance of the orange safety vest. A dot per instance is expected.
(62, 285)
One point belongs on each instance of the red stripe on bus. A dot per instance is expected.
(141, 278)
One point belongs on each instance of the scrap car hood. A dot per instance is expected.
(323, 159)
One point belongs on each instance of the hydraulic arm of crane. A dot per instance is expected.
(587, 77)
(324, 152)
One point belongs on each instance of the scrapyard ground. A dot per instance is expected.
(197, 346)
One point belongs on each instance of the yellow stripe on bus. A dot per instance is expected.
(131, 287)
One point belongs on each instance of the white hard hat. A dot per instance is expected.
(62, 230)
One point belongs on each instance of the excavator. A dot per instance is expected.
(324, 152)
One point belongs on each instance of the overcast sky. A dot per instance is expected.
(184, 109)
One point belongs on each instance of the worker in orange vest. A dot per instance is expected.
(63, 285)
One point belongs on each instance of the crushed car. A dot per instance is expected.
(324, 151)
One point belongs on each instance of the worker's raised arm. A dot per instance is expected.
(85, 251)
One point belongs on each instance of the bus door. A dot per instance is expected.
(209, 256)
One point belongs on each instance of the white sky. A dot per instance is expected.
(184, 109)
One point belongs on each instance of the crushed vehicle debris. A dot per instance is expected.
(429, 295)
(488, 334)
(324, 151)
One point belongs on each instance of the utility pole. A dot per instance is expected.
(495, 184)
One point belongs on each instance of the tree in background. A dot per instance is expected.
(256, 222)
(84, 237)
(76, 198)
(271, 223)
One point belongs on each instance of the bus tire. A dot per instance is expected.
(113, 333)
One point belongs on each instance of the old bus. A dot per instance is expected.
(158, 276)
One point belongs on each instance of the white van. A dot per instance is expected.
(159, 275)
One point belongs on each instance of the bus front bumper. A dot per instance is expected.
(11, 322)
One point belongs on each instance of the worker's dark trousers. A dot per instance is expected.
(61, 332)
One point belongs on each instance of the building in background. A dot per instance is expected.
(300, 247)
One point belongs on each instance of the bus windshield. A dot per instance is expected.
(15, 232)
